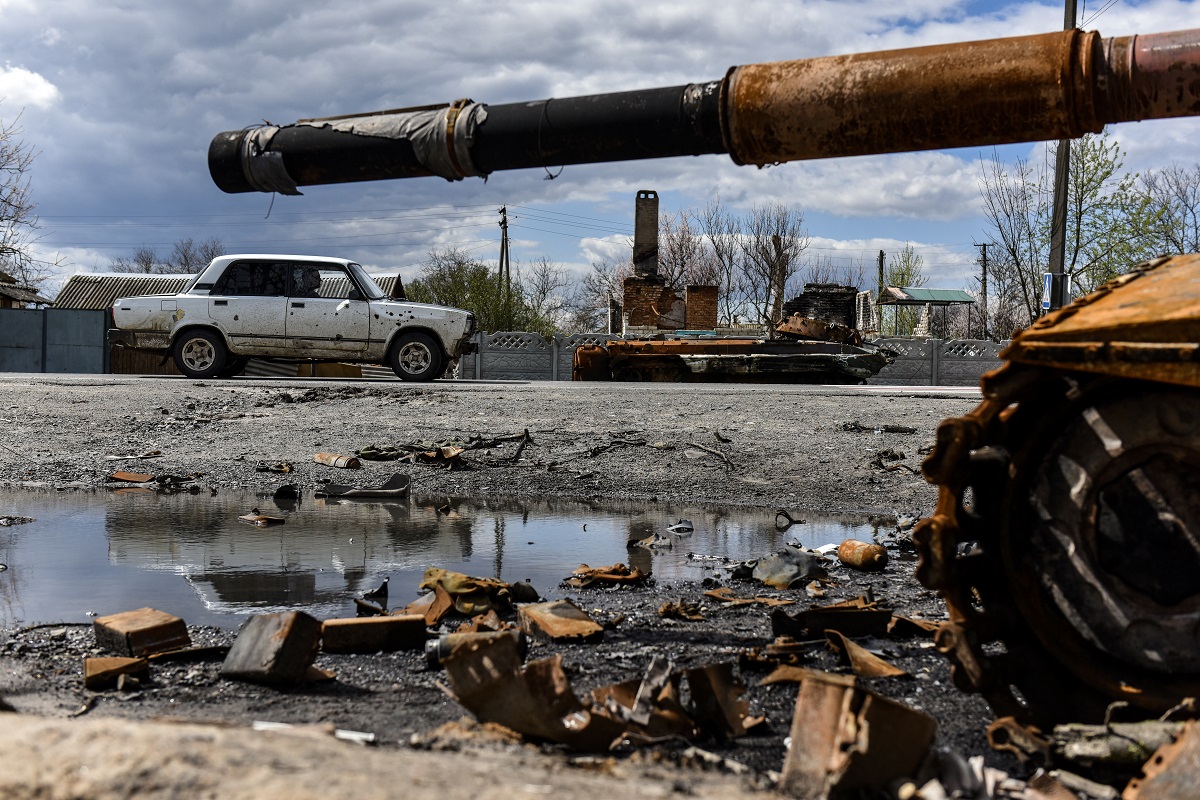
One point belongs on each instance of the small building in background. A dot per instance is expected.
(14, 295)
(926, 300)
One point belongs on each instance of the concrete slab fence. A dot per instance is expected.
(53, 340)
(514, 355)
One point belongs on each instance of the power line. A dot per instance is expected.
(556, 233)
(576, 216)
(455, 209)
(588, 226)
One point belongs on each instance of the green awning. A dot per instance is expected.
(917, 296)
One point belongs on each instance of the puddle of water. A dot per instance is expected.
(104, 552)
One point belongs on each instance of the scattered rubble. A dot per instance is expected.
(585, 577)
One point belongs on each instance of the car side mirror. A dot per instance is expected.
(356, 294)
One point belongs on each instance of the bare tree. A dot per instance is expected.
(773, 242)
(684, 257)
(822, 269)
(18, 222)
(586, 302)
(187, 257)
(1018, 210)
(1174, 194)
(544, 285)
(144, 260)
(723, 232)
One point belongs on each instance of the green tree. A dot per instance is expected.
(1110, 221)
(905, 268)
(452, 277)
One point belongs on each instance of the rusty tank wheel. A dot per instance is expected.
(656, 369)
(1066, 543)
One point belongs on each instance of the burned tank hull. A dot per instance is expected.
(728, 361)
(1066, 539)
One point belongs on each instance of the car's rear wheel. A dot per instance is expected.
(200, 353)
(416, 357)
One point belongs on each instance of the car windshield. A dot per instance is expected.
(367, 283)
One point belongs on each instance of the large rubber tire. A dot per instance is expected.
(200, 353)
(416, 356)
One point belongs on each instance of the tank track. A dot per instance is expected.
(1026, 545)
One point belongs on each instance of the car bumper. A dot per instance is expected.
(154, 341)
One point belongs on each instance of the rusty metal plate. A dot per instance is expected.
(845, 738)
(559, 621)
(1144, 324)
(1172, 773)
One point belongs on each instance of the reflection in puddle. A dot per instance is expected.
(104, 552)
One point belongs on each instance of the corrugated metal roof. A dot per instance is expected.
(913, 295)
(98, 290)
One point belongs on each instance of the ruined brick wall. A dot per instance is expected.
(826, 301)
(701, 303)
(645, 300)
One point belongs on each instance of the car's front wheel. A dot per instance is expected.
(416, 357)
(200, 353)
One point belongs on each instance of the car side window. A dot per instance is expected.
(252, 279)
(306, 281)
(310, 280)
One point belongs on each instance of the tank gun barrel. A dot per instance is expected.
(999, 91)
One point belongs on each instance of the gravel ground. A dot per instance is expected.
(808, 449)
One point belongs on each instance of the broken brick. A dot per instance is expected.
(141, 632)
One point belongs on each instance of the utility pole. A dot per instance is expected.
(879, 297)
(503, 277)
(1055, 291)
(983, 288)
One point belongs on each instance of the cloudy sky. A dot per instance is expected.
(121, 100)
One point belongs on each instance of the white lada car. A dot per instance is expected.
(298, 308)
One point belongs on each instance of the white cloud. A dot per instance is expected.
(612, 249)
(20, 87)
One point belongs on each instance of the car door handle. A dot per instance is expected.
(220, 302)
(297, 305)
